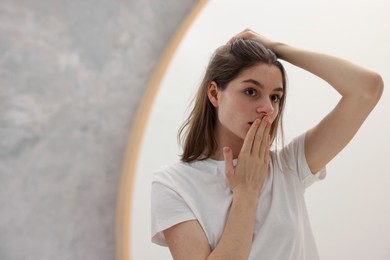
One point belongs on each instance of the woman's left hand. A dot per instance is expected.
(248, 34)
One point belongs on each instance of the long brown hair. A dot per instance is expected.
(228, 61)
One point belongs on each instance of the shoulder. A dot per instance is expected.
(180, 171)
(169, 168)
(169, 171)
(292, 159)
(180, 168)
(194, 175)
(291, 153)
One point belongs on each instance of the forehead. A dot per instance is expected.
(263, 72)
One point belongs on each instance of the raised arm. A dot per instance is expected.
(360, 90)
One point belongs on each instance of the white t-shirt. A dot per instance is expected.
(199, 190)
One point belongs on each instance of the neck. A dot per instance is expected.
(224, 140)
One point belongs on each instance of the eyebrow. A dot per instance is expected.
(258, 84)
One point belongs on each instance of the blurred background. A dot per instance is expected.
(71, 77)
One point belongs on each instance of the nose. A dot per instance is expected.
(265, 106)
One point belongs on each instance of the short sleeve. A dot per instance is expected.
(307, 177)
(168, 209)
(292, 159)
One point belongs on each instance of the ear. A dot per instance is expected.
(212, 93)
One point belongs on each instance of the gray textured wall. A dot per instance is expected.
(71, 76)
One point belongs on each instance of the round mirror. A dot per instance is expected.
(349, 211)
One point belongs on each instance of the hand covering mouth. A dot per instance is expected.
(250, 123)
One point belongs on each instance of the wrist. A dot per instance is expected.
(277, 47)
(246, 195)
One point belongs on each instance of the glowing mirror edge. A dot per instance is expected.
(131, 155)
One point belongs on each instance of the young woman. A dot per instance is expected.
(230, 196)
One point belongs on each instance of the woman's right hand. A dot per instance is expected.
(252, 166)
(246, 180)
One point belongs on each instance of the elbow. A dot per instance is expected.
(375, 88)
(380, 86)
(372, 91)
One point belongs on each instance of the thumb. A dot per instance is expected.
(228, 156)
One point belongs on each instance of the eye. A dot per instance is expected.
(275, 98)
(250, 92)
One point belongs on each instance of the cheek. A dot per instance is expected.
(233, 107)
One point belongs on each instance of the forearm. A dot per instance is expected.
(360, 90)
(349, 79)
(236, 239)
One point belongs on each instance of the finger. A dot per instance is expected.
(265, 145)
(266, 153)
(232, 40)
(228, 156)
(248, 141)
(260, 135)
(245, 34)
